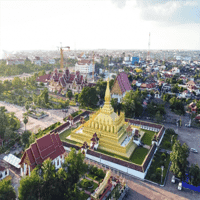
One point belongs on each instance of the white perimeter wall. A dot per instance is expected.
(130, 171)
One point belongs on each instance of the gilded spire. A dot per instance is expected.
(107, 108)
(107, 94)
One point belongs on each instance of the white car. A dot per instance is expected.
(180, 186)
(173, 179)
(193, 150)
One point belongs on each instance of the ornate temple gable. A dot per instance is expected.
(116, 88)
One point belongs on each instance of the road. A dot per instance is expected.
(143, 190)
(33, 124)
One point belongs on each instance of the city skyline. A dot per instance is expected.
(32, 25)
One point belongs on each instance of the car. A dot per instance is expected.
(173, 179)
(193, 150)
(180, 186)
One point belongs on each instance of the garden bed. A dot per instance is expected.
(166, 141)
(88, 185)
(39, 115)
(154, 172)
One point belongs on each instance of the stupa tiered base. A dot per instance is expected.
(110, 129)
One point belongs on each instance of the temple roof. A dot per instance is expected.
(48, 146)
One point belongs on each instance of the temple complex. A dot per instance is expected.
(110, 129)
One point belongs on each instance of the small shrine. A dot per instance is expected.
(94, 142)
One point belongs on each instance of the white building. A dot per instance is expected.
(85, 67)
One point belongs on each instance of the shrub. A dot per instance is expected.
(96, 178)
(153, 177)
(94, 170)
(163, 156)
(167, 144)
(158, 170)
(100, 173)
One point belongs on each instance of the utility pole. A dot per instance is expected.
(148, 53)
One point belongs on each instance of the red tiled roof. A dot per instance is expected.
(123, 82)
(49, 146)
(190, 83)
(84, 62)
(43, 78)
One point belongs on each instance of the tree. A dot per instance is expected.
(25, 137)
(178, 158)
(30, 186)
(194, 175)
(25, 119)
(3, 122)
(8, 133)
(46, 184)
(7, 191)
(114, 103)
(27, 106)
(88, 97)
(102, 75)
(69, 94)
(17, 82)
(76, 97)
(158, 117)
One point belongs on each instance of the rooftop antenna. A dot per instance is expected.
(148, 53)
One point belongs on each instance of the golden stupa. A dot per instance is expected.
(109, 127)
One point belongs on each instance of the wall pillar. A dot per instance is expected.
(24, 169)
(21, 171)
(29, 170)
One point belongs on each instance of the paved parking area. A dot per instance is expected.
(33, 124)
(190, 136)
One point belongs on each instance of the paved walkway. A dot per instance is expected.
(146, 146)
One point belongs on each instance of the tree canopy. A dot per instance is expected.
(178, 158)
(46, 183)
(7, 191)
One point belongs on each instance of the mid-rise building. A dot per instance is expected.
(85, 67)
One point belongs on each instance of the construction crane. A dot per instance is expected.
(61, 54)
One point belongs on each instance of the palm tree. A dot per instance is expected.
(25, 117)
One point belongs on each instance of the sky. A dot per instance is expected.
(99, 24)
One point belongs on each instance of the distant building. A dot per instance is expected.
(15, 62)
(134, 60)
(120, 87)
(85, 67)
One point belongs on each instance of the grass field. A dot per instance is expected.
(137, 157)
(148, 137)
(66, 134)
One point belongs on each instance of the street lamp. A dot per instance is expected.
(162, 167)
(171, 139)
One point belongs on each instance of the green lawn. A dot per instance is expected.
(157, 162)
(148, 137)
(66, 134)
(138, 155)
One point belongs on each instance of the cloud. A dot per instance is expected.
(171, 12)
(119, 3)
